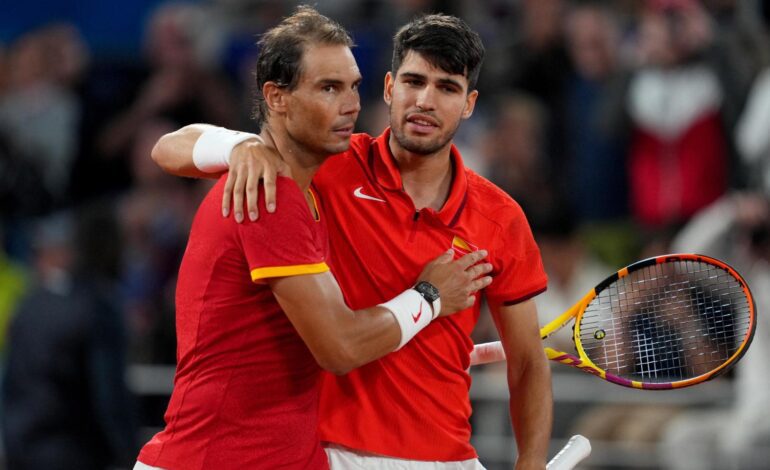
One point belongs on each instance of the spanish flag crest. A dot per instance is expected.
(462, 247)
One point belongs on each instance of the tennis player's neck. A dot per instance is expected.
(427, 179)
(303, 164)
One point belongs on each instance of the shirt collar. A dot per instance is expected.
(385, 170)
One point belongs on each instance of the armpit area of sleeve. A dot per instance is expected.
(515, 297)
(260, 274)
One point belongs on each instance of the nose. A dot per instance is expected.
(426, 98)
(352, 104)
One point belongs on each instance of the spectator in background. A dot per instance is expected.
(156, 214)
(595, 176)
(538, 65)
(69, 56)
(572, 269)
(752, 136)
(678, 160)
(179, 86)
(515, 152)
(13, 283)
(174, 82)
(735, 229)
(38, 114)
(3, 68)
(65, 404)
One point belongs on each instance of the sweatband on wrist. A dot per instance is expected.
(412, 312)
(211, 153)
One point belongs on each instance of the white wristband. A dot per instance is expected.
(211, 153)
(412, 312)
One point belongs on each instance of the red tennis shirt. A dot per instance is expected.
(246, 386)
(414, 403)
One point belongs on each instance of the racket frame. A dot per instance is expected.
(576, 312)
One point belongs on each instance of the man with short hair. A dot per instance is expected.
(257, 308)
(391, 201)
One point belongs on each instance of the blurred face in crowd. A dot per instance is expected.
(167, 42)
(542, 22)
(3, 69)
(426, 104)
(591, 40)
(27, 62)
(69, 53)
(320, 113)
(656, 41)
(519, 133)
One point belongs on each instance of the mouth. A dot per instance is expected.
(343, 131)
(421, 123)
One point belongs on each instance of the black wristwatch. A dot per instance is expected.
(428, 292)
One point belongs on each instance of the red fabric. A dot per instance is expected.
(672, 180)
(413, 403)
(246, 386)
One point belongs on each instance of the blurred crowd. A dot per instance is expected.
(617, 125)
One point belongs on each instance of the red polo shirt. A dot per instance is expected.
(246, 386)
(414, 403)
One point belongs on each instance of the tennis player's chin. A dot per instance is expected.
(338, 145)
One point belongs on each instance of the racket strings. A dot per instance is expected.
(666, 322)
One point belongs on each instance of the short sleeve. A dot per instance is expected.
(287, 242)
(517, 266)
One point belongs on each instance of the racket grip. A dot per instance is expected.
(576, 449)
(485, 353)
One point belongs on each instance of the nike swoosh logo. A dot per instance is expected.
(419, 314)
(359, 194)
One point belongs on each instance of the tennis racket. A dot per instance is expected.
(575, 451)
(666, 322)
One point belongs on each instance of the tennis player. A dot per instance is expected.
(257, 308)
(390, 201)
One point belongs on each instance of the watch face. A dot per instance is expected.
(428, 291)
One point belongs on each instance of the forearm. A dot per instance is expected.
(174, 152)
(531, 408)
(340, 338)
(359, 337)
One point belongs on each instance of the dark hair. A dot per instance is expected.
(446, 42)
(281, 49)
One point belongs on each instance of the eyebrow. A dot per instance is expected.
(335, 81)
(328, 81)
(442, 81)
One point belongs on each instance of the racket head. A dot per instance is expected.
(666, 322)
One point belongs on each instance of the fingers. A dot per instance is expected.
(227, 194)
(480, 283)
(474, 287)
(470, 259)
(239, 189)
(269, 176)
(479, 269)
(443, 258)
(252, 193)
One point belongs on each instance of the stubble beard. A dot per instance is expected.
(417, 147)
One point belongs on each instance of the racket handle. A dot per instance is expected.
(576, 449)
(485, 353)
